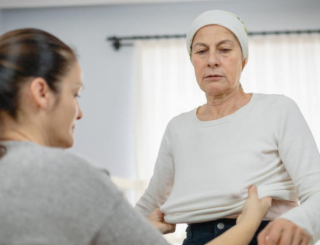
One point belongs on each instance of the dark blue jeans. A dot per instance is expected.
(201, 233)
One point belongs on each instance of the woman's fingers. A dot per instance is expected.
(266, 203)
(297, 239)
(305, 240)
(287, 237)
(253, 191)
(283, 232)
(262, 237)
(300, 237)
(273, 236)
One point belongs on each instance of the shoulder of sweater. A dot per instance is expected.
(272, 97)
(181, 117)
(55, 154)
(61, 169)
(52, 159)
(276, 101)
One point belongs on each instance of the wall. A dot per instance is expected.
(0, 21)
(105, 134)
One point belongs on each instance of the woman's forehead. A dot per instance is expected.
(214, 34)
(214, 31)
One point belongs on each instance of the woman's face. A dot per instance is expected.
(66, 111)
(217, 60)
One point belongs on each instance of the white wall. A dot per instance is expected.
(0, 21)
(105, 134)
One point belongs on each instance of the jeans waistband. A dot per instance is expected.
(211, 224)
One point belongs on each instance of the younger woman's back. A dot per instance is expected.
(49, 196)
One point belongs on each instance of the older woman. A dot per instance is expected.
(210, 155)
(50, 196)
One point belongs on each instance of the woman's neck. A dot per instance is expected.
(223, 105)
(12, 130)
(16, 135)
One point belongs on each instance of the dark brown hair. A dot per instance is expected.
(30, 53)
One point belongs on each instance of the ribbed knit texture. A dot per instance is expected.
(204, 168)
(50, 196)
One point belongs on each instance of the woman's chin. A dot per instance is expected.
(65, 143)
(217, 90)
(69, 144)
(214, 91)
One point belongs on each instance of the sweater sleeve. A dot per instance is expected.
(161, 183)
(300, 156)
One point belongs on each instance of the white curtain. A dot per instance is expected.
(165, 84)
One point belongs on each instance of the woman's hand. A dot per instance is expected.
(254, 208)
(248, 221)
(157, 219)
(282, 232)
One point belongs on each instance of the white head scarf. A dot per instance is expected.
(221, 18)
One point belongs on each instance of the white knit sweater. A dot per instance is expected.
(204, 168)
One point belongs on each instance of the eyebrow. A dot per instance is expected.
(219, 43)
(225, 41)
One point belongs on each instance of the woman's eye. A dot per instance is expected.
(200, 51)
(225, 50)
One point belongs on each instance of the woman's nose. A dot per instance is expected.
(79, 116)
(213, 60)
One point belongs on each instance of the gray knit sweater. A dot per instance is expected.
(50, 196)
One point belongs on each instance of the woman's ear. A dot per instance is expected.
(244, 62)
(40, 92)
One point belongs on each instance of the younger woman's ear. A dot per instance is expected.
(40, 92)
(244, 62)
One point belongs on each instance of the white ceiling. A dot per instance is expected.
(6, 4)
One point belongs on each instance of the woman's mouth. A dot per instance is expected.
(213, 77)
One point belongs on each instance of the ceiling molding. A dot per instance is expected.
(13, 4)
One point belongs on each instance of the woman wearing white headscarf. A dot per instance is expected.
(210, 155)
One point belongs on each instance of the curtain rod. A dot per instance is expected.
(117, 44)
